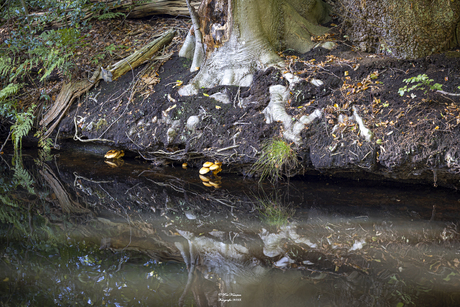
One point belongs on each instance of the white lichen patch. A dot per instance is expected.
(292, 79)
(316, 82)
(364, 131)
(276, 112)
(328, 45)
(221, 97)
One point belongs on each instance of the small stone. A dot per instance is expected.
(192, 121)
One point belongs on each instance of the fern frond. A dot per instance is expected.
(22, 126)
(9, 91)
(6, 65)
(22, 177)
(21, 70)
(56, 62)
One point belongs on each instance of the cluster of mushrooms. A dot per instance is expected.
(211, 168)
(114, 158)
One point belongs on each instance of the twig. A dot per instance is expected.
(447, 93)
(77, 138)
(6, 140)
(230, 147)
(90, 180)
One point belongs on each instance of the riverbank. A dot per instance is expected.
(340, 110)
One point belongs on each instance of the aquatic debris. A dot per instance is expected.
(357, 245)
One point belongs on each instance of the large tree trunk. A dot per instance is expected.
(402, 28)
(241, 36)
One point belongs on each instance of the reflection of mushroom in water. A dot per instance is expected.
(115, 162)
(114, 154)
(215, 168)
(114, 157)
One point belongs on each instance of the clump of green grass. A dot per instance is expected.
(277, 158)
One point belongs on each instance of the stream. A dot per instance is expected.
(78, 231)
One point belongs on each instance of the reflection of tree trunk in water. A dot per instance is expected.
(67, 204)
(191, 264)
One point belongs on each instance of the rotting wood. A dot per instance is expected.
(146, 8)
(72, 90)
(68, 93)
(140, 56)
(150, 7)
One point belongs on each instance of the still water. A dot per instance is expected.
(77, 231)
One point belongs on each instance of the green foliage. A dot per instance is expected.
(422, 83)
(56, 51)
(7, 92)
(277, 157)
(43, 141)
(31, 48)
(23, 178)
(6, 66)
(22, 127)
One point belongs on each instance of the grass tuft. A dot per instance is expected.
(277, 158)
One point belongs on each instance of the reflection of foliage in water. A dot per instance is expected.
(14, 211)
(273, 211)
(56, 270)
(77, 273)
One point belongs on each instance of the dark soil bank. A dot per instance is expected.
(414, 137)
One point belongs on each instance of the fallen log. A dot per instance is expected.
(151, 7)
(140, 56)
(133, 10)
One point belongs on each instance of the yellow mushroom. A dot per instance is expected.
(218, 163)
(207, 164)
(214, 167)
(204, 170)
(206, 184)
(184, 165)
(114, 154)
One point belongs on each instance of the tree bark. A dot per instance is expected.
(402, 28)
(242, 36)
